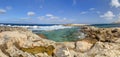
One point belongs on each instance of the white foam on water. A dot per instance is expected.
(47, 28)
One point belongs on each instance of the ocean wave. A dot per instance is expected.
(54, 27)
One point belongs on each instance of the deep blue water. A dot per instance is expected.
(96, 25)
(105, 25)
(12, 24)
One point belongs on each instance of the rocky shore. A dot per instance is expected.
(98, 42)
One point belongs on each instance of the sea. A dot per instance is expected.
(58, 32)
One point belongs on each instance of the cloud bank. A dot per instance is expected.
(115, 3)
(2, 11)
(108, 15)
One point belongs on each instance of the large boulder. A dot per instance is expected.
(62, 51)
(98, 42)
(21, 43)
(101, 49)
(83, 46)
(102, 34)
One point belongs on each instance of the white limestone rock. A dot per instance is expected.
(11, 41)
(83, 46)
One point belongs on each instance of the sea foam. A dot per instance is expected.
(53, 27)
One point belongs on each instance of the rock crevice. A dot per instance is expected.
(98, 42)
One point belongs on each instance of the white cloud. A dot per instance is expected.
(8, 7)
(54, 17)
(31, 13)
(50, 18)
(118, 16)
(41, 17)
(115, 3)
(84, 12)
(92, 9)
(49, 15)
(2, 11)
(108, 15)
(117, 21)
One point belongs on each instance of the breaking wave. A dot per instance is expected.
(35, 27)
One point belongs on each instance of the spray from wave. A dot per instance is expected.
(36, 27)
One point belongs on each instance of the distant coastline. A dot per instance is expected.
(75, 24)
(59, 25)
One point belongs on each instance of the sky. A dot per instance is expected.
(59, 11)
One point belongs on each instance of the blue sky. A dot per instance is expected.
(59, 11)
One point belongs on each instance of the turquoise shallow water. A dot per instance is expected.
(62, 35)
(57, 33)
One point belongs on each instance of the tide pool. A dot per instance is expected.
(62, 35)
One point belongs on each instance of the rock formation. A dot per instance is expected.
(98, 42)
(20, 43)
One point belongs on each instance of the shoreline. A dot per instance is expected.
(98, 41)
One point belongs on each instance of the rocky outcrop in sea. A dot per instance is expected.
(98, 42)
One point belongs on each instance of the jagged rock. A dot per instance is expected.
(12, 42)
(98, 42)
(102, 34)
(70, 45)
(43, 55)
(101, 49)
(2, 54)
(62, 52)
(83, 46)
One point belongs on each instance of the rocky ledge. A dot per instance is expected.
(99, 42)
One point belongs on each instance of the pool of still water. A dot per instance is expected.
(62, 35)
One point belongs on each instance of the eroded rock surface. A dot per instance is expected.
(20, 43)
(99, 42)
